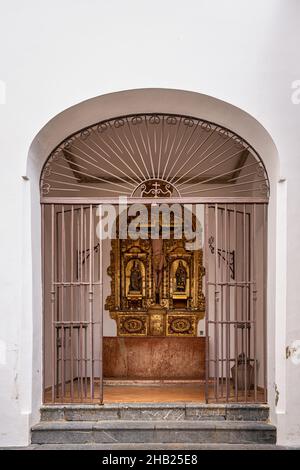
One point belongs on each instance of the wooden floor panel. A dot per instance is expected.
(152, 393)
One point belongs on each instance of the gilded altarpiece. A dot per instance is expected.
(172, 308)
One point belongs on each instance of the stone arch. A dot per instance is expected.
(134, 102)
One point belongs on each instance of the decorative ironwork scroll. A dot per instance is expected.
(154, 155)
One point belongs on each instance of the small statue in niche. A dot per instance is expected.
(135, 278)
(180, 276)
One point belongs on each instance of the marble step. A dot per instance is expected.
(156, 412)
(121, 431)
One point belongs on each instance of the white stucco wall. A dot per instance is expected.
(59, 53)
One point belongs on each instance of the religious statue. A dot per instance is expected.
(158, 264)
(180, 276)
(135, 278)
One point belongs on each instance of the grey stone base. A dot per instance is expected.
(121, 431)
(156, 412)
(152, 446)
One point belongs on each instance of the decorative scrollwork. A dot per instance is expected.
(85, 134)
(181, 325)
(45, 189)
(154, 119)
(172, 120)
(205, 126)
(136, 120)
(68, 143)
(118, 123)
(238, 142)
(188, 122)
(156, 188)
(129, 325)
(142, 159)
(223, 132)
(102, 127)
(228, 256)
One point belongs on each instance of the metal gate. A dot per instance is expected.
(73, 304)
(235, 290)
(235, 259)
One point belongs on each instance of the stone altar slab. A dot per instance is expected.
(152, 358)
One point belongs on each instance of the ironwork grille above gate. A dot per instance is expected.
(154, 155)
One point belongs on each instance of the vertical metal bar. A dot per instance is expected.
(206, 254)
(57, 311)
(249, 299)
(62, 329)
(265, 257)
(85, 297)
(53, 329)
(227, 300)
(253, 297)
(81, 311)
(216, 305)
(101, 310)
(235, 306)
(72, 304)
(221, 269)
(244, 290)
(85, 360)
(91, 320)
(78, 362)
(43, 299)
(78, 300)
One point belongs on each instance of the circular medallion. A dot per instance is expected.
(133, 325)
(181, 325)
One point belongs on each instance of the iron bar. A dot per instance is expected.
(138, 148)
(62, 312)
(207, 332)
(244, 304)
(224, 186)
(180, 153)
(91, 240)
(82, 305)
(265, 338)
(53, 291)
(216, 330)
(101, 311)
(128, 151)
(71, 302)
(227, 303)
(109, 161)
(171, 148)
(235, 307)
(148, 200)
(206, 158)
(43, 209)
(221, 175)
(220, 214)
(254, 294)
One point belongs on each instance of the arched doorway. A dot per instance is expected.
(156, 158)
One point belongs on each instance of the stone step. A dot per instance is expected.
(156, 412)
(154, 446)
(121, 431)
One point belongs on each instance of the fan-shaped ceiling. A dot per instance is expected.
(154, 155)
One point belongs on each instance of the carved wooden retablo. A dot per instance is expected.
(156, 287)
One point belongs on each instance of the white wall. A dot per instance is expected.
(56, 54)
